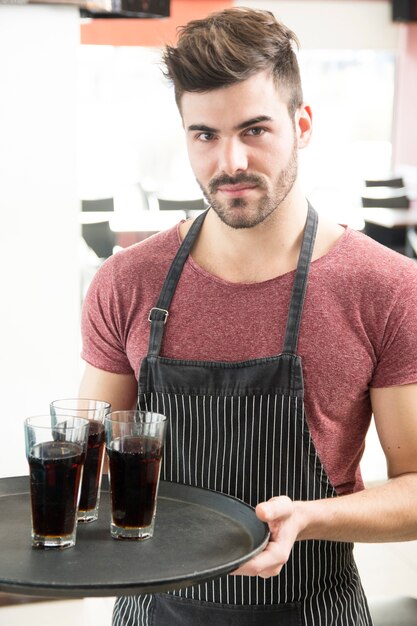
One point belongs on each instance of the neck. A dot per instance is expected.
(255, 254)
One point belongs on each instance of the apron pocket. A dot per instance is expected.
(173, 611)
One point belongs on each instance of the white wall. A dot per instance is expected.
(335, 24)
(39, 316)
(39, 311)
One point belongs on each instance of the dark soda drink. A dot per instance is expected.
(93, 466)
(134, 466)
(55, 474)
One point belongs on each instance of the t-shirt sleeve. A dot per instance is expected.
(397, 359)
(102, 325)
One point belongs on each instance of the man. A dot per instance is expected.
(277, 370)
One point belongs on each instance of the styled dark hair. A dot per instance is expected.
(230, 46)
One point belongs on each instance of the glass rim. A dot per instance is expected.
(109, 416)
(101, 404)
(30, 421)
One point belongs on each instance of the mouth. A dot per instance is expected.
(237, 190)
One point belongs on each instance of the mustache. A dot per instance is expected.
(219, 181)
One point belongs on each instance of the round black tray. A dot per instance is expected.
(199, 535)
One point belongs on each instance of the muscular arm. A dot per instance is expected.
(387, 512)
(118, 389)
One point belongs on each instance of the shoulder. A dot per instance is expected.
(381, 269)
(359, 261)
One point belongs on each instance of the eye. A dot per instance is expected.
(255, 131)
(205, 136)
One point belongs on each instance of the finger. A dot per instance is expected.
(270, 561)
(266, 573)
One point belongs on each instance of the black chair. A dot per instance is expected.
(411, 242)
(100, 238)
(102, 204)
(389, 197)
(97, 234)
(189, 206)
(385, 182)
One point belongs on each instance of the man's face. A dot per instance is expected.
(243, 148)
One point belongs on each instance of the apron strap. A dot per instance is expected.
(300, 283)
(159, 313)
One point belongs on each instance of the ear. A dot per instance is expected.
(303, 125)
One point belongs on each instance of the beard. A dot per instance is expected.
(237, 212)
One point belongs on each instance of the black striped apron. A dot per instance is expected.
(240, 428)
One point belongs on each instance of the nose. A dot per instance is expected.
(232, 156)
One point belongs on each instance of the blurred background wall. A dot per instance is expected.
(85, 113)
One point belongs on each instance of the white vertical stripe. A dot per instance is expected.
(301, 498)
(318, 589)
(296, 469)
(267, 494)
(224, 433)
(177, 439)
(288, 447)
(146, 402)
(275, 582)
(217, 444)
(258, 488)
(190, 442)
(281, 421)
(209, 485)
(251, 449)
(197, 438)
(344, 583)
(232, 447)
(242, 578)
(204, 444)
(237, 447)
(350, 591)
(171, 434)
(326, 594)
(244, 451)
(183, 463)
(216, 472)
(258, 496)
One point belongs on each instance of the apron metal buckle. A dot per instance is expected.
(155, 308)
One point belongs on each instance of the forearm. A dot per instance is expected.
(387, 512)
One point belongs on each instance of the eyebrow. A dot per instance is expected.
(208, 129)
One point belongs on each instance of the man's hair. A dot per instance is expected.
(230, 46)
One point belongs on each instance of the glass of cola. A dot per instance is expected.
(94, 411)
(134, 444)
(55, 450)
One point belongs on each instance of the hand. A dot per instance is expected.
(281, 515)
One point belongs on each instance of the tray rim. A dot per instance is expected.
(69, 590)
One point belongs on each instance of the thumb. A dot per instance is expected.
(274, 509)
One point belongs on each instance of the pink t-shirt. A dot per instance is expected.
(359, 329)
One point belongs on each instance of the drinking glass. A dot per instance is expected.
(94, 411)
(134, 443)
(55, 450)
